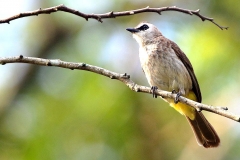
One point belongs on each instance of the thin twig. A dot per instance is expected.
(121, 77)
(111, 14)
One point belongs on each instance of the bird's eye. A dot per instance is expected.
(143, 27)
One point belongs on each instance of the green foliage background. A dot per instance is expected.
(54, 113)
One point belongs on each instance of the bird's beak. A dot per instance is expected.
(132, 30)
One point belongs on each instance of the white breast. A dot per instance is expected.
(146, 61)
(144, 53)
(164, 69)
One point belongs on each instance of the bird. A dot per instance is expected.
(166, 67)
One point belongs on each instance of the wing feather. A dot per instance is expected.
(188, 65)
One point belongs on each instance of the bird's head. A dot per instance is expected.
(144, 32)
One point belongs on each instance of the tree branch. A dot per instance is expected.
(111, 14)
(121, 77)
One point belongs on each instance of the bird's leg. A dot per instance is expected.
(153, 90)
(176, 100)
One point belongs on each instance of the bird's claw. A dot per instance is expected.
(153, 90)
(176, 100)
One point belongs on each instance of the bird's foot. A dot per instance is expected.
(153, 90)
(176, 100)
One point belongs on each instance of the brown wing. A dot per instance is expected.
(189, 67)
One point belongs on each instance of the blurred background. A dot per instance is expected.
(55, 113)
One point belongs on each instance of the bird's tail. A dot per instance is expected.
(204, 132)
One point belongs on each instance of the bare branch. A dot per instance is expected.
(111, 14)
(121, 77)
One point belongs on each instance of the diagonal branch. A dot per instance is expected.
(121, 77)
(111, 14)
